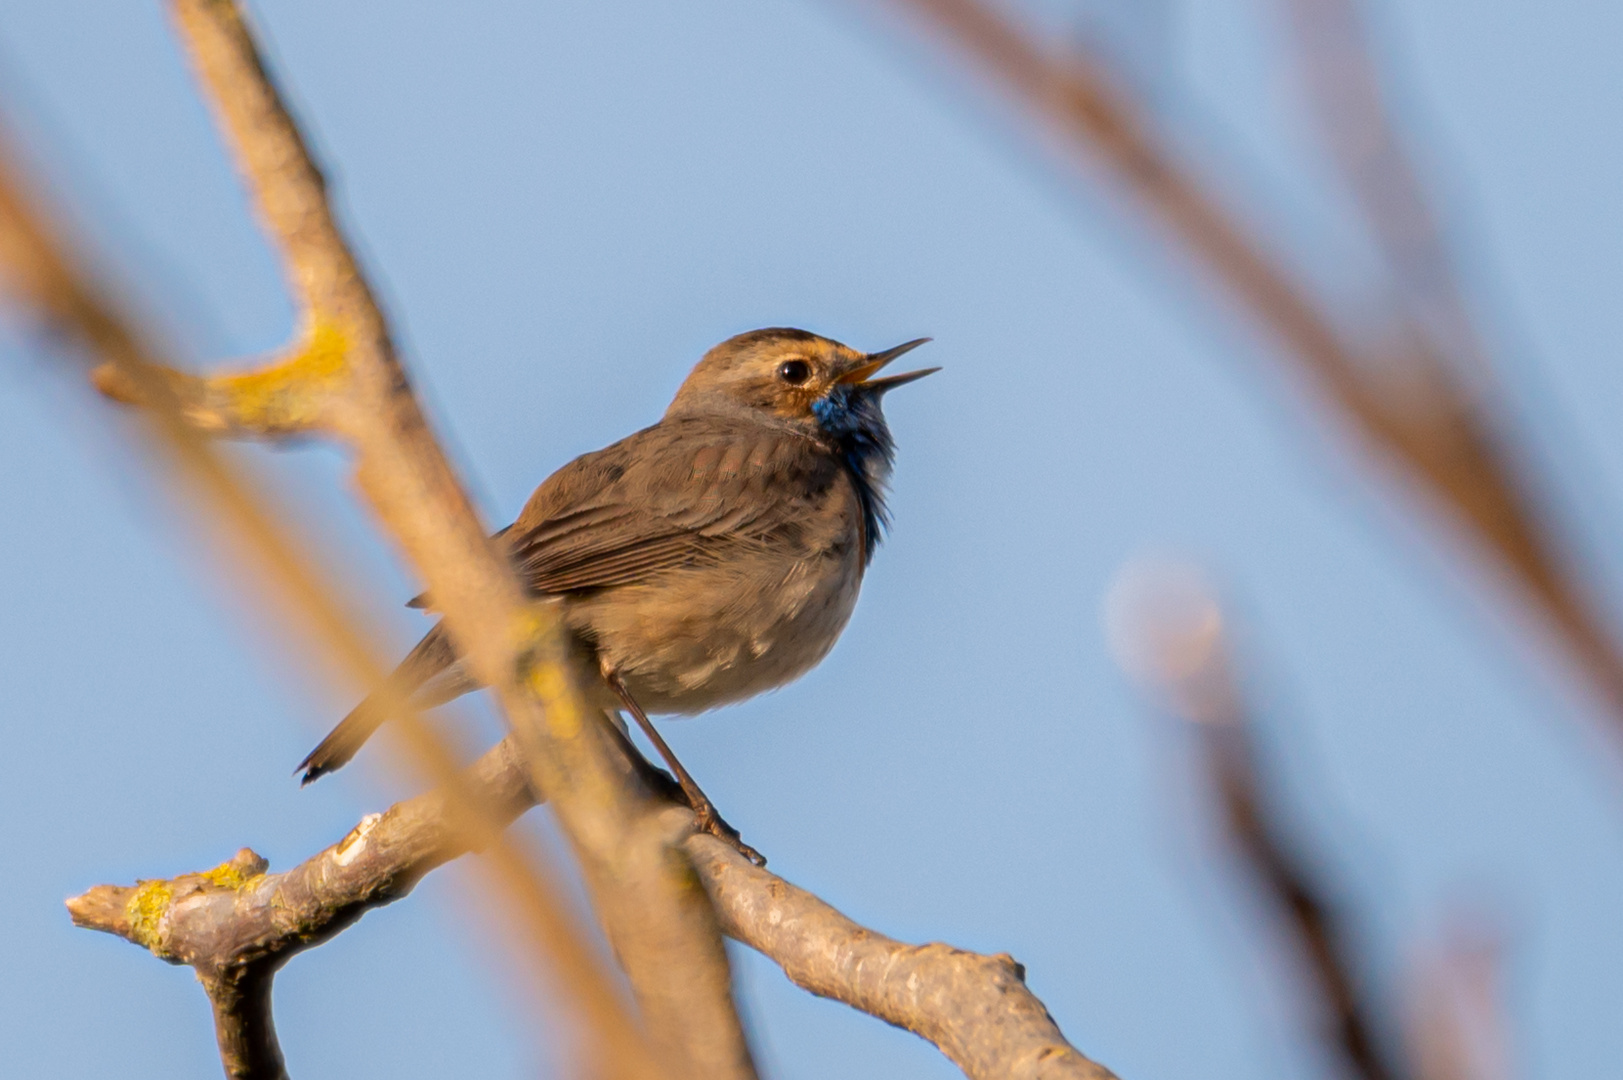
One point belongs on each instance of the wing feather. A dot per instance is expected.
(682, 493)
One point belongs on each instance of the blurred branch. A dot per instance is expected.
(40, 272)
(48, 284)
(1447, 435)
(1169, 632)
(1321, 928)
(239, 919)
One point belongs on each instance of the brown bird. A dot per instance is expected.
(708, 558)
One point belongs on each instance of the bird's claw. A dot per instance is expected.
(707, 820)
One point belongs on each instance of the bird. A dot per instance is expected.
(703, 560)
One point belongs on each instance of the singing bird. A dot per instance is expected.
(705, 559)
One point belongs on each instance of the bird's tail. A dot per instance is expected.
(419, 677)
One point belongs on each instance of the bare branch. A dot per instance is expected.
(236, 925)
(975, 1008)
(1450, 437)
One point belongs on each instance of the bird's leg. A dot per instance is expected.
(661, 782)
(704, 811)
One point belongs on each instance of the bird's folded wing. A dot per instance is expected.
(677, 494)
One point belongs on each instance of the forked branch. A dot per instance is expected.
(239, 923)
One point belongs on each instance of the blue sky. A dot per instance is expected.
(564, 205)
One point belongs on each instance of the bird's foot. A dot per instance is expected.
(706, 818)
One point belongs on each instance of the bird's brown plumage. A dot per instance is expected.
(704, 559)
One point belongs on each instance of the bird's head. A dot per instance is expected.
(798, 377)
(819, 386)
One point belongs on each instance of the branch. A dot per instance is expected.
(1448, 435)
(242, 923)
(236, 925)
(1318, 923)
(976, 1009)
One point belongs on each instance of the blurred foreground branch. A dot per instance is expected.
(52, 289)
(344, 378)
(1169, 632)
(1318, 922)
(239, 920)
(1435, 415)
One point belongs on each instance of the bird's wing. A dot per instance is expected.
(681, 493)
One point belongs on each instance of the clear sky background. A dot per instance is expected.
(564, 205)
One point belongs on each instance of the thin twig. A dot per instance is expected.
(1317, 921)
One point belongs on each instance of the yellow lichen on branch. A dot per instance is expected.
(291, 395)
(145, 909)
(239, 872)
(288, 396)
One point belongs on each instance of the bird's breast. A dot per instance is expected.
(702, 636)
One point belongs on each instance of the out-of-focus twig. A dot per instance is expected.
(344, 377)
(1447, 434)
(1169, 632)
(975, 1008)
(45, 279)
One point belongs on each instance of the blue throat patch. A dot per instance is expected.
(852, 418)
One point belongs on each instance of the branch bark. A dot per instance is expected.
(238, 924)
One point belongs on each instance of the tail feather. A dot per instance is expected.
(429, 666)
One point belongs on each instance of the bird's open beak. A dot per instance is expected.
(858, 376)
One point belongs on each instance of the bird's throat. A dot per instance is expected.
(853, 421)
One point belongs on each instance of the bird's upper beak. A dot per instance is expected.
(858, 375)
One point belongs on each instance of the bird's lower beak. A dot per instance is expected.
(859, 375)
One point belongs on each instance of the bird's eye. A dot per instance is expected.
(794, 372)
